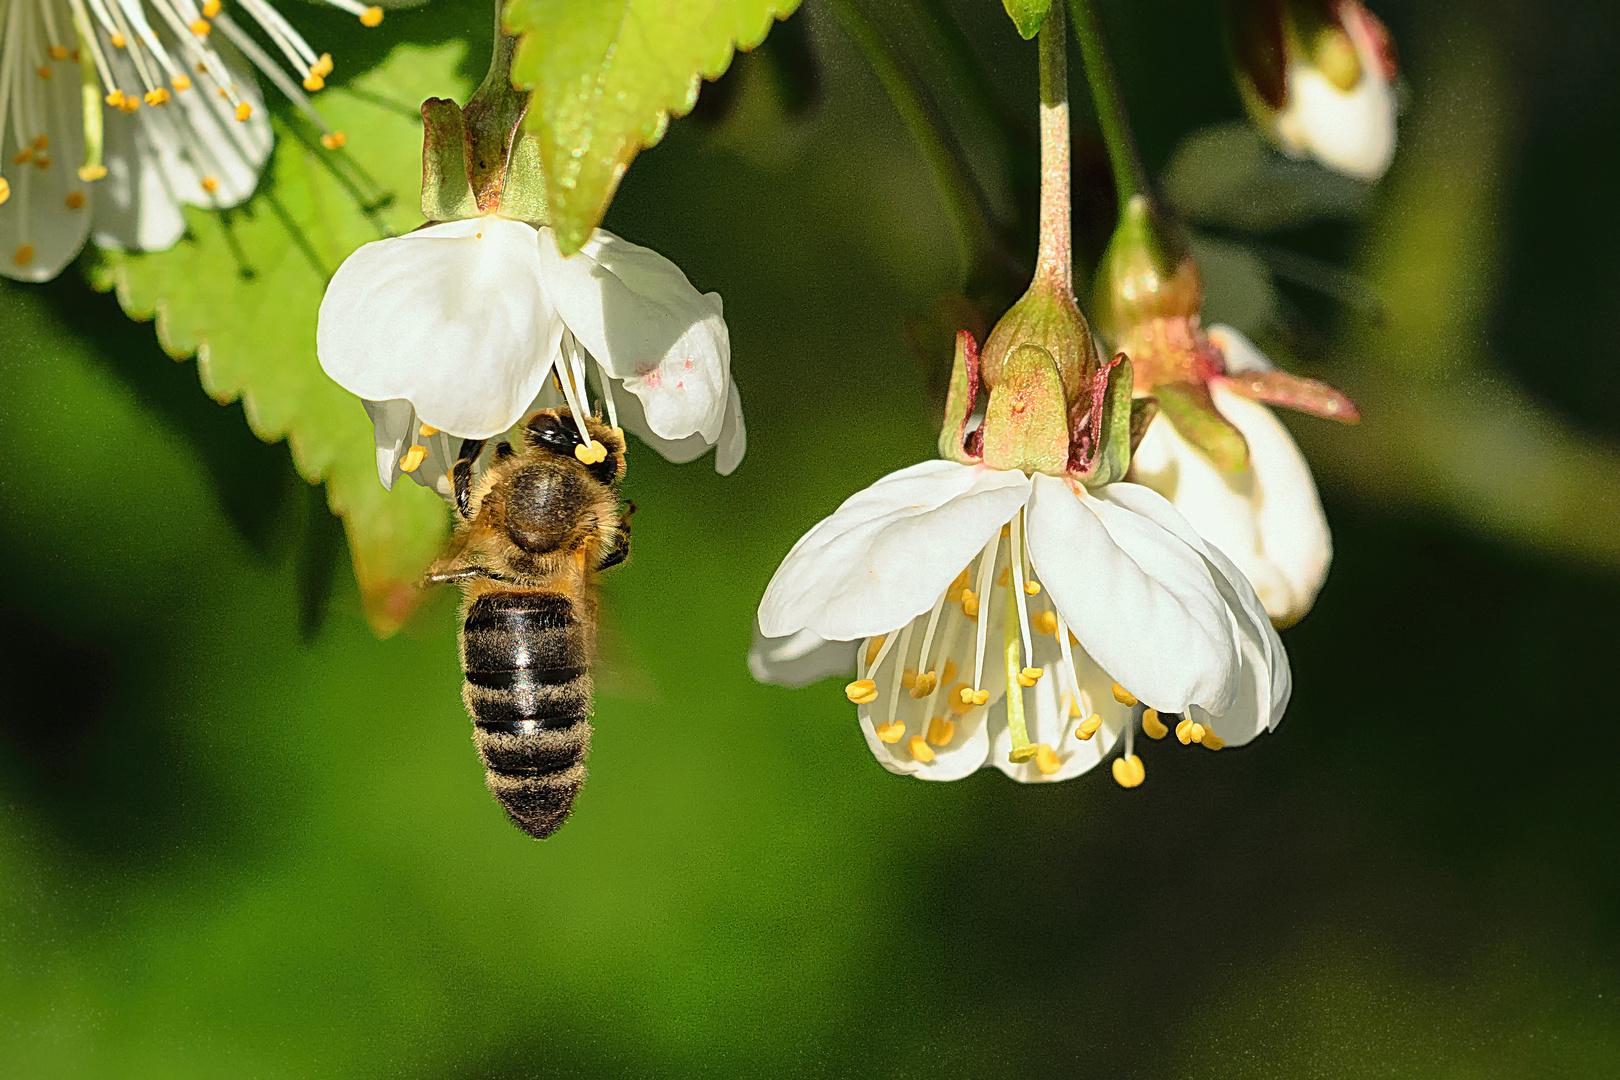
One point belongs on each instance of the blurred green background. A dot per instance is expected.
(241, 837)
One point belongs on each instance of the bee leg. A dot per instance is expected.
(447, 577)
(461, 472)
(620, 550)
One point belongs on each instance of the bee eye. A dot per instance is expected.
(553, 433)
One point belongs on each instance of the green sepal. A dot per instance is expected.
(1189, 407)
(1112, 458)
(1143, 410)
(1027, 15)
(524, 196)
(1026, 423)
(447, 194)
(960, 399)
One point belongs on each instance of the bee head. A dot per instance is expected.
(555, 430)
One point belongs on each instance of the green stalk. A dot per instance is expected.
(1054, 260)
(965, 204)
(1130, 178)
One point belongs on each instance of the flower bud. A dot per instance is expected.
(1316, 76)
(1146, 273)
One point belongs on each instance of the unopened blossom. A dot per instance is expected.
(455, 331)
(1213, 448)
(1318, 76)
(114, 115)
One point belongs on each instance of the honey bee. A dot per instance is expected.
(532, 534)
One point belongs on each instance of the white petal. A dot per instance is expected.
(889, 551)
(636, 313)
(1352, 132)
(733, 436)
(452, 318)
(396, 428)
(1138, 597)
(799, 659)
(1241, 353)
(1261, 647)
(1292, 531)
(731, 446)
(38, 213)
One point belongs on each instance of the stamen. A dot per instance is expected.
(1015, 559)
(958, 586)
(5, 190)
(987, 563)
(908, 678)
(924, 683)
(371, 17)
(243, 111)
(920, 750)
(1030, 676)
(872, 647)
(1212, 741)
(970, 604)
(861, 691)
(24, 254)
(413, 458)
(591, 454)
(75, 200)
(334, 140)
(1046, 622)
(604, 388)
(892, 732)
(1032, 587)
(573, 394)
(1152, 726)
(1088, 727)
(1128, 771)
(894, 687)
(1123, 696)
(180, 82)
(427, 431)
(941, 731)
(1046, 759)
(1184, 732)
(1021, 750)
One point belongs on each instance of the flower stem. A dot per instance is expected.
(1054, 260)
(492, 116)
(965, 203)
(1130, 178)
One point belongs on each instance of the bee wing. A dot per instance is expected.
(449, 566)
(617, 672)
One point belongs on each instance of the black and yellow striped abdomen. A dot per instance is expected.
(527, 657)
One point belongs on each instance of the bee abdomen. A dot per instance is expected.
(528, 689)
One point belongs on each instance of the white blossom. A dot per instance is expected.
(1347, 128)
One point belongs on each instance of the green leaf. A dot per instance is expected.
(1027, 15)
(608, 74)
(243, 290)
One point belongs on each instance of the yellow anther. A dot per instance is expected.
(873, 648)
(891, 732)
(427, 431)
(40, 142)
(954, 591)
(323, 66)
(116, 99)
(1123, 696)
(1197, 732)
(1030, 676)
(1211, 740)
(413, 458)
(941, 730)
(24, 254)
(43, 161)
(5, 189)
(59, 52)
(1128, 771)
(118, 40)
(924, 685)
(861, 691)
(313, 82)
(200, 27)
(949, 673)
(1088, 727)
(210, 184)
(591, 454)
(1046, 759)
(129, 104)
(1074, 707)
(1004, 577)
(75, 200)
(1006, 530)
(210, 8)
(1032, 588)
(920, 750)
(959, 702)
(970, 604)
(89, 173)
(23, 156)
(334, 140)
(180, 82)
(157, 96)
(243, 111)
(42, 71)
(1184, 732)
(908, 678)
(1045, 622)
(1152, 726)
(372, 16)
